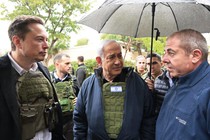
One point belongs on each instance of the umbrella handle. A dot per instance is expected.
(157, 33)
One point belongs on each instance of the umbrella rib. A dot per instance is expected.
(177, 26)
(207, 7)
(109, 17)
(140, 16)
(106, 2)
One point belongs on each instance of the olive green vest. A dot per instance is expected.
(65, 95)
(34, 94)
(113, 100)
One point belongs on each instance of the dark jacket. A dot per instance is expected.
(10, 126)
(185, 113)
(81, 74)
(161, 86)
(138, 121)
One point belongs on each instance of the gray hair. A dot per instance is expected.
(103, 44)
(190, 40)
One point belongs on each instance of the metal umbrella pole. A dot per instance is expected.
(152, 32)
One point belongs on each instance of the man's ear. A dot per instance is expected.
(196, 55)
(16, 41)
(98, 60)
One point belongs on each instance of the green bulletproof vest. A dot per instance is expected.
(113, 96)
(65, 95)
(34, 94)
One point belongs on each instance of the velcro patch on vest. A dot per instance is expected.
(116, 88)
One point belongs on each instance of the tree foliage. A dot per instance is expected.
(59, 16)
(136, 44)
(158, 45)
(82, 41)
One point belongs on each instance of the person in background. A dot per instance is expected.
(162, 84)
(156, 69)
(62, 63)
(141, 66)
(29, 104)
(72, 71)
(115, 102)
(185, 112)
(81, 72)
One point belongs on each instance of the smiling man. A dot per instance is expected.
(27, 97)
(114, 103)
(185, 113)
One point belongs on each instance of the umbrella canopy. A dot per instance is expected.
(139, 18)
(135, 17)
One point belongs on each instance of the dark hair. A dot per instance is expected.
(154, 55)
(80, 58)
(20, 28)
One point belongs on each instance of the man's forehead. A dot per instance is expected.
(37, 28)
(153, 58)
(113, 53)
(112, 50)
(171, 49)
(141, 59)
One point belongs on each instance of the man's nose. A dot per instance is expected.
(45, 45)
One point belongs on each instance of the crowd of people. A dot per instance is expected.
(161, 98)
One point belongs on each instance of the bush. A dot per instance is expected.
(51, 68)
(129, 64)
(81, 42)
(90, 64)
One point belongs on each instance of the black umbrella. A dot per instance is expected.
(140, 18)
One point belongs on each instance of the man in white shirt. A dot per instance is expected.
(27, 114)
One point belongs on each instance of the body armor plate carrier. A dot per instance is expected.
(66, 96)
(35, 93)
(113, 96)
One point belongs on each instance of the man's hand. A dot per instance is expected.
(150, 83)
(74, 101)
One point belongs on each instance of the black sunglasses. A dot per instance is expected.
(153, 63)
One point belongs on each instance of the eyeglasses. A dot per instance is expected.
(153, 63)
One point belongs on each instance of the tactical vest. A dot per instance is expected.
(34, 94)
(65, 95)
(113, 99)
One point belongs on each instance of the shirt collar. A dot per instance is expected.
(169, 79)
(18, 68)
(56, 77)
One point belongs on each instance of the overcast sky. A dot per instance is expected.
(4, 39)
